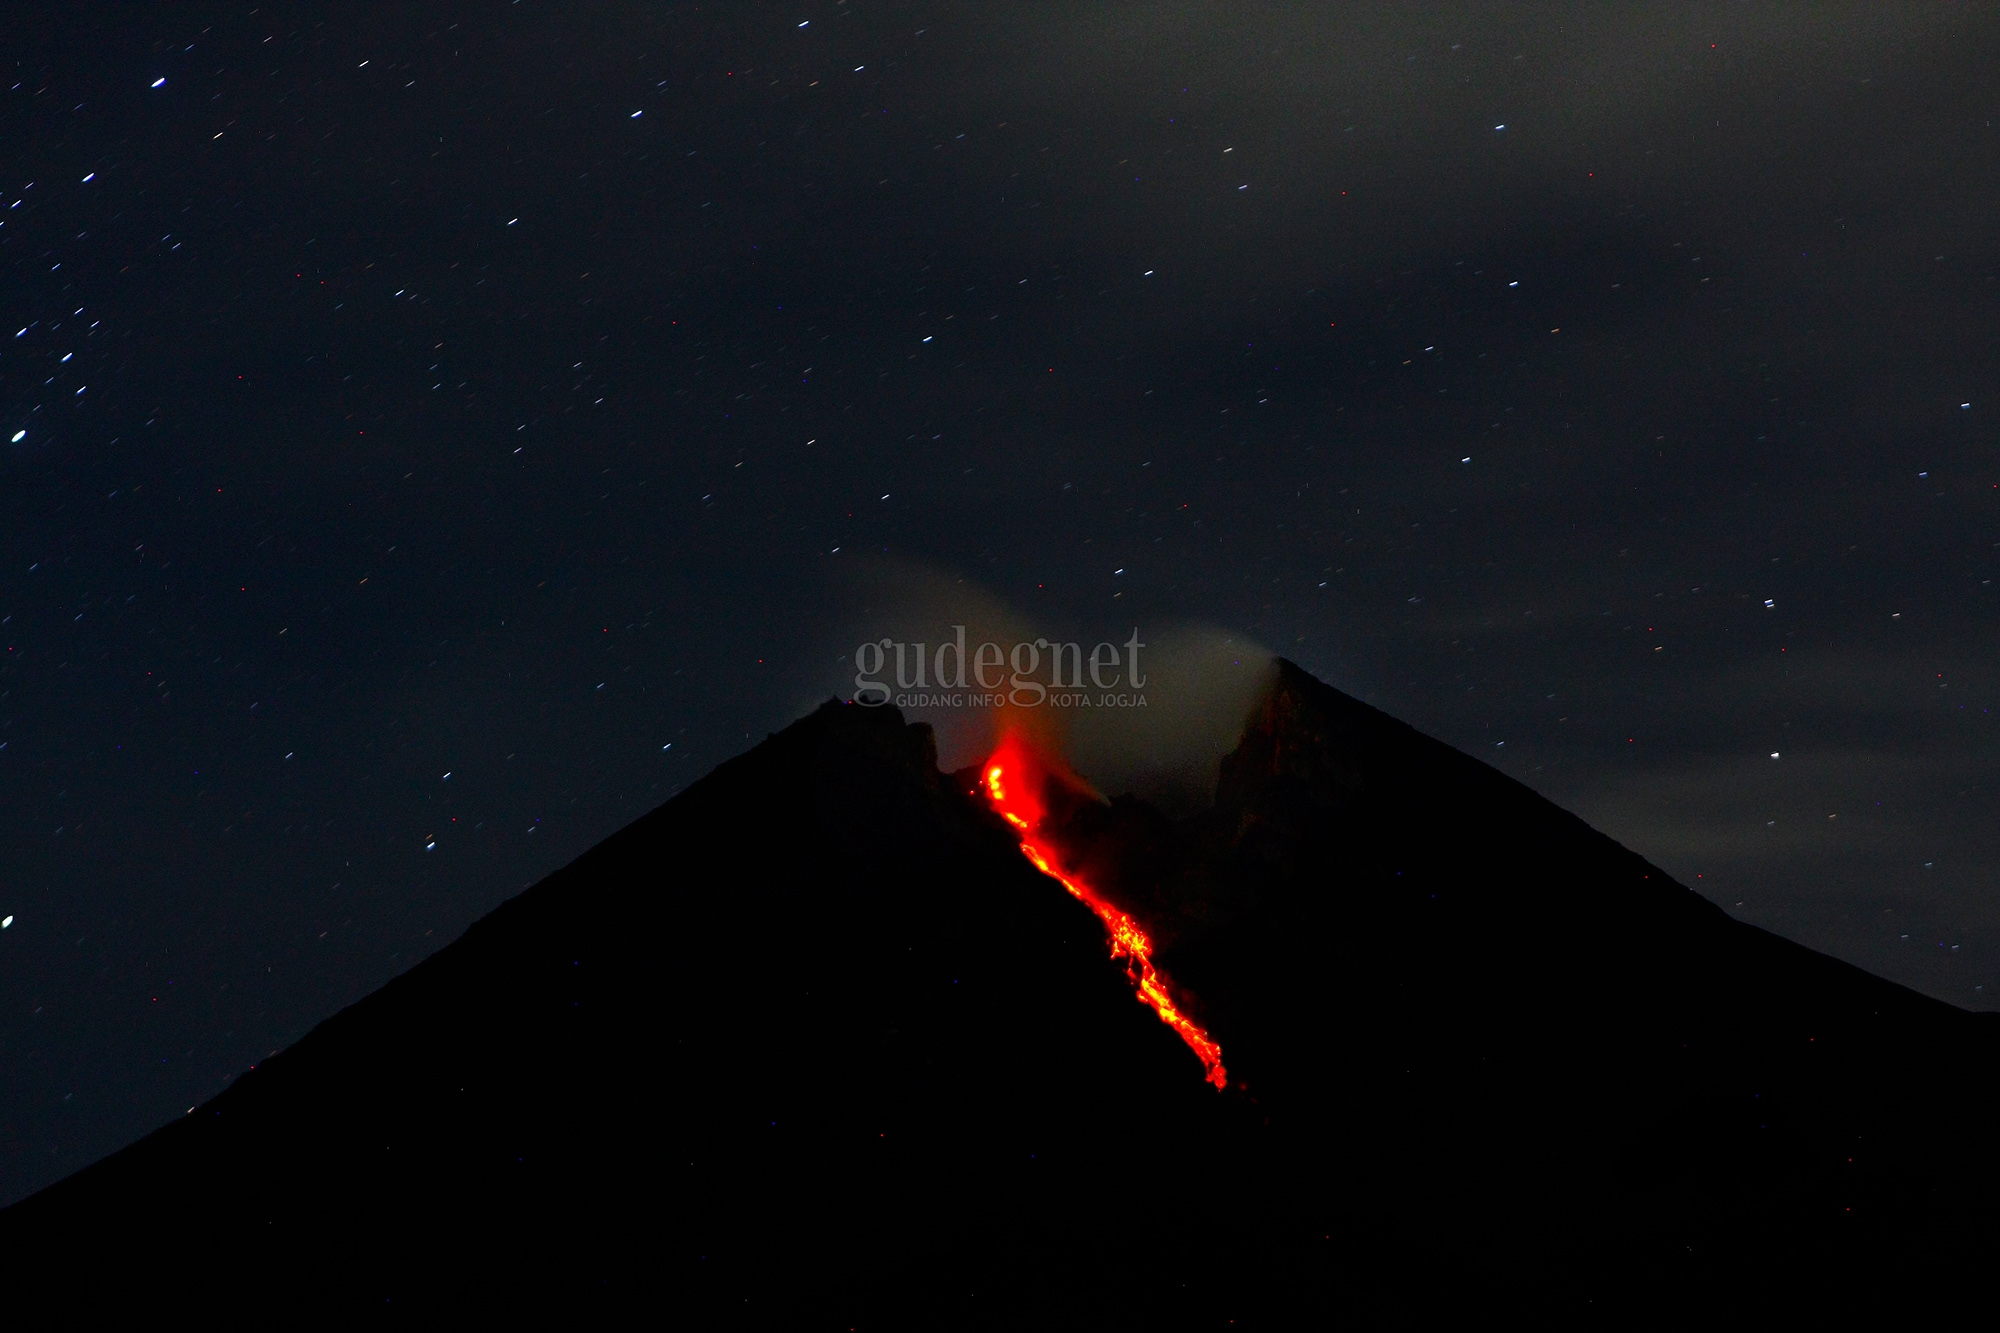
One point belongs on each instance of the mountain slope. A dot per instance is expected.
(813, 1044)
(1521, 1039)
(813, 1031)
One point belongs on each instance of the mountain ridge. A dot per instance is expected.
(813, 1042)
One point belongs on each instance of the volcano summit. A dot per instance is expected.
(815, 1044)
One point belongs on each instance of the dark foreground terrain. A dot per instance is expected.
(813, 1046)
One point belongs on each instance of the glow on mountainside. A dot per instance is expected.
(1013, 787)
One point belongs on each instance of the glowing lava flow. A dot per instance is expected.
(1021, 805)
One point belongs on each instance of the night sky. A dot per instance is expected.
(431, 440)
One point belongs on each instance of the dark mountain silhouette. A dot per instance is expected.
(1530, 1046)
(812, 1045)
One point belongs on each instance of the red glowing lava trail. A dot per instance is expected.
(1011, 786)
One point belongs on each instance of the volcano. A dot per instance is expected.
(816, 1045)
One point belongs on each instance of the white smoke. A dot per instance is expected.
(1200, 682)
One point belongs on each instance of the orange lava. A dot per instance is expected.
(1012, 787)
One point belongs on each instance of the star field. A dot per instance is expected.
(429, 440)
